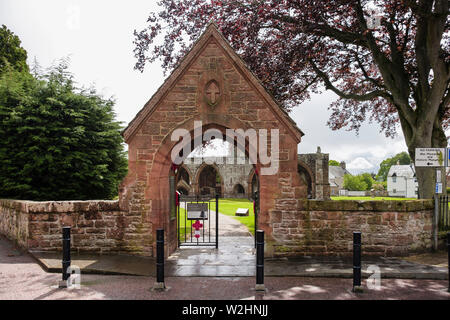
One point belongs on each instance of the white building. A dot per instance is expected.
(402, 181)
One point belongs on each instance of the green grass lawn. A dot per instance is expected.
(229, 206)
(371, 199)
(182, 221)
(185, 225)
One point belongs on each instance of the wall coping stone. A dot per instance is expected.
(366, 205)
(60, 206)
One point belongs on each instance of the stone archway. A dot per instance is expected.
(308, 177)
(213, 86)
(209, 181)
(184, 174)
(252, 184)
(239, 190)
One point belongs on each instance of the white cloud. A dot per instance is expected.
(359, 164)
(342, 145)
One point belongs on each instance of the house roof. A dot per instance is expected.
(211, 31)
(406, 170)
(333, 184)
(336, 172)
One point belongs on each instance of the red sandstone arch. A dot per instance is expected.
(158, 186)
(243, 104)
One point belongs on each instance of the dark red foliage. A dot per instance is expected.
(303, 46)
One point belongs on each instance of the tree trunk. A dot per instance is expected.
(426, 176)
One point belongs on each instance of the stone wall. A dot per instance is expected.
(391, 228)
(232, 172)
(317, 163)
(97, 226)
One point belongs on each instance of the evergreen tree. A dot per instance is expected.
(59, 142)
(11, 52)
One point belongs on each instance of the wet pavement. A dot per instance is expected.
(234, 258)
(22, 278)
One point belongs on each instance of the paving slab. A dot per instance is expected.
(114, 264)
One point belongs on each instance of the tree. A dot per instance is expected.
(59, 142)
(354, 183)
(367, 178)
(400, 158)
(11, 52)
(333, 163)
(393, 72)
(380, 186)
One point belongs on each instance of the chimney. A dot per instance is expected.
(342, 165)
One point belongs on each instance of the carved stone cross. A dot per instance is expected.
(212, 92)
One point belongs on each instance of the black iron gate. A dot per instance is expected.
(198, 221)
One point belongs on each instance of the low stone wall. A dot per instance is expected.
(391, 228)
(97, 226)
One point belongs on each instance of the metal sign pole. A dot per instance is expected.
(435, 222)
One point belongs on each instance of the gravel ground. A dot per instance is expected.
(22, 278)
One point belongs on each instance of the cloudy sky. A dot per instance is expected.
(98, 35)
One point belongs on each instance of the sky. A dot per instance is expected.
(98, 38)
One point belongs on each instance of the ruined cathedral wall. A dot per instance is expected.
(231, 171)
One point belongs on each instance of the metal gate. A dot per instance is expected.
(198, 221)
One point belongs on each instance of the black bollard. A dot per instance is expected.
(159, 284)
(357, 262)
(160, 255)
(448, 252)
(259, 260)
(66, 256)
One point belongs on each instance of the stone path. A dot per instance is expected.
(235, 256)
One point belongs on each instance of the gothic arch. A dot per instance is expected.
(178, 104)
(239, 190)
(180, 173)
(308, 177)
(200, 170)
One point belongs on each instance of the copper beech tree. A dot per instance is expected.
(388, 61)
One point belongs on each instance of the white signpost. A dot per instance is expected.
(430, 157)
